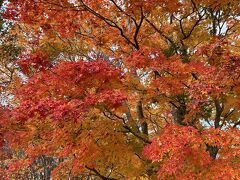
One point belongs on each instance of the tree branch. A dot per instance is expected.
(98, 174)
(136, 135)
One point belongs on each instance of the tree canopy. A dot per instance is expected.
(120, 89)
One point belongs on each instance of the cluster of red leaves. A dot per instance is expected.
(181, 150)
(4, 122)
(73, 80)
(57, 101)
(216, 77)
(226, 140)
(43, 12)
(70, 89)
(177, 148)
(47, 107)
(38, 60)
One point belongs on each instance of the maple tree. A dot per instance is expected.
(123, 89)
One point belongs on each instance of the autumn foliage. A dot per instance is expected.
(122, 89)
